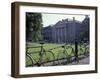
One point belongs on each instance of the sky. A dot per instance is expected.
(50, 19)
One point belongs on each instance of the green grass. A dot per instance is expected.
(58, 52)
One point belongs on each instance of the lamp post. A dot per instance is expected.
(76, 42)
(76, 50)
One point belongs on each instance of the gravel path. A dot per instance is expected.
(84, 60)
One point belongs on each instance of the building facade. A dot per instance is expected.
(64, 31)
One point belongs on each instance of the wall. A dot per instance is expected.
(5, 40)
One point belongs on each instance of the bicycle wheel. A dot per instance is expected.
(62, 58)
(70, 51)
(86, 50)
(29, 60)
(65, 55)
(47, 59)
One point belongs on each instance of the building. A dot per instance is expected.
(64, 31)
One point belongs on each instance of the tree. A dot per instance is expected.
(85, 34)
(33, 26)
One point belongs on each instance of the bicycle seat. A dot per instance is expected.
(63, 46)
(41, 42)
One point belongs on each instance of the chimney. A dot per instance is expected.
(67, 19)
(73, 18)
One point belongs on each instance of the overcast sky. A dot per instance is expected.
(49, 19)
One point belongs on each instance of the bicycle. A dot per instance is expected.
(47, 57)
(83, 49)
(44, 56)
(65, 55)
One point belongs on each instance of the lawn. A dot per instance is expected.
(57, 53)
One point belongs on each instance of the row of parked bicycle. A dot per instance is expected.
(48, 57)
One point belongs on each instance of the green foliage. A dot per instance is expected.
(85, 34)
(33, 26)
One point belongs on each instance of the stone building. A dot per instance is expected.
(63, 31)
